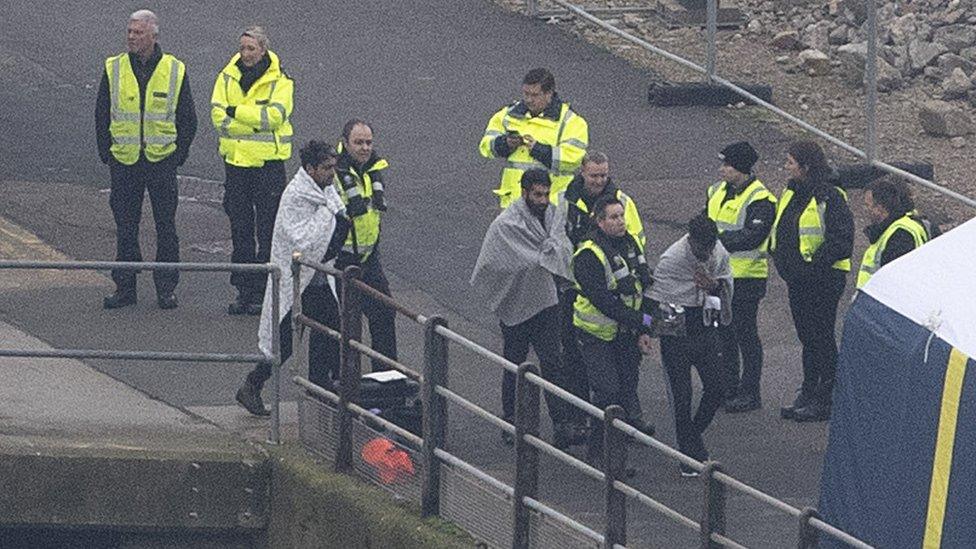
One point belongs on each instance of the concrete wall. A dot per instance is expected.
(313, 508)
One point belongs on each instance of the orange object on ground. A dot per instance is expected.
(392, 463)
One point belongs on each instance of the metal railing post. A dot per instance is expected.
(532, 7)
(275, 437)
(351, 327)
(871, 75)
(614, 467)
(435, 414)
(711, 28)
(297, 328)
(526, 455)
(807, 538)
(713, 515)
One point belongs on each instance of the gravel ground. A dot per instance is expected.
(824, 101)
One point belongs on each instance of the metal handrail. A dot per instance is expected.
(540, 445)
(768, 106)
(274, 436)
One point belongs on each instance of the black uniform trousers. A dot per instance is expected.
(814, 309)
(320, 305)
(742, 338)
(573, 368)
(541, 332)
(612, 368)
(381, 318)
(129, 186)
(698, 349)
(251, 197)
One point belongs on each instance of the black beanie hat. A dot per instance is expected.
(740, 156)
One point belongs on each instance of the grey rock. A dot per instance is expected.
(935, 74)
(815, 62)
(786, 40)
(921, 54)
(953, 17)
(816, 36)
(851, 57)
(968, 53)
(839, 36)
(949, 61)
(631, 20)
(889, 77)
(957, 85)
(955, 37)
(942, 119)
(902, 29)
(754, 27)
(958, 142)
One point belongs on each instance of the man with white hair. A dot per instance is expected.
(144, 124)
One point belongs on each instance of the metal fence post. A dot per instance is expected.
(275, 437)
(526, 455)
(532, 7)
(435, 413)
(713, 516)
(297, 328)
(871, 75)
(614, 467)
(807, 538)
(711, 27)
(351, 326)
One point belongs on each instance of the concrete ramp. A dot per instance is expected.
(79, 449)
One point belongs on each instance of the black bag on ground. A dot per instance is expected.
(395, 396)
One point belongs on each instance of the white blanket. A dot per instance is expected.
(514, 271)
(305, 223)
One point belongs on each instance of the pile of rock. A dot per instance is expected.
(929, 43)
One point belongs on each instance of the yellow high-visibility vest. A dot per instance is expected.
(151, 130)
(260, 129)
(585, 315)
(632, 218)
(871, 261)
(367, 226)
(811, 230)
(730, 215)
(568, 136)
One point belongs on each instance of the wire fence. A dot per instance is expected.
(498, 513)
(709, 71)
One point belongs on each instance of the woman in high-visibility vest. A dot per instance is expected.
(811, 244)
(895, 229)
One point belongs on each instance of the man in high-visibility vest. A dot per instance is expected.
(360, 177)
(611, 315)
(591, 184)
(251, 110)
(144, 124)
(540, 131)
(895, 229)
(743, 210)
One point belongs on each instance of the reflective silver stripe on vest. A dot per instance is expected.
(171, 97)
(265, 121)
(363, 249)
(492, 133)
(808, 231)
(621, 273)
(524, 166)
(260, 137)
(377, 186)
(749, 254)
(160, 140)
(126, 140)
(352, 192)
(556, 153)
(593, 318)
(870, 269)
(281, 109)
(575, 143)
(741, 219)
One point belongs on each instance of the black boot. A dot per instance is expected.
(802, 399)
(249, 396)
(119, 299)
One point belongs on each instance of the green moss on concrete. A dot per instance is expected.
(311, 507)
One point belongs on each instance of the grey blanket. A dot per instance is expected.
(514, 271)
(674, 277)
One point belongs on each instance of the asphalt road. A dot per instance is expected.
(427, 75)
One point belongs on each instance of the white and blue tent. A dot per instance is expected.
(900, 467)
